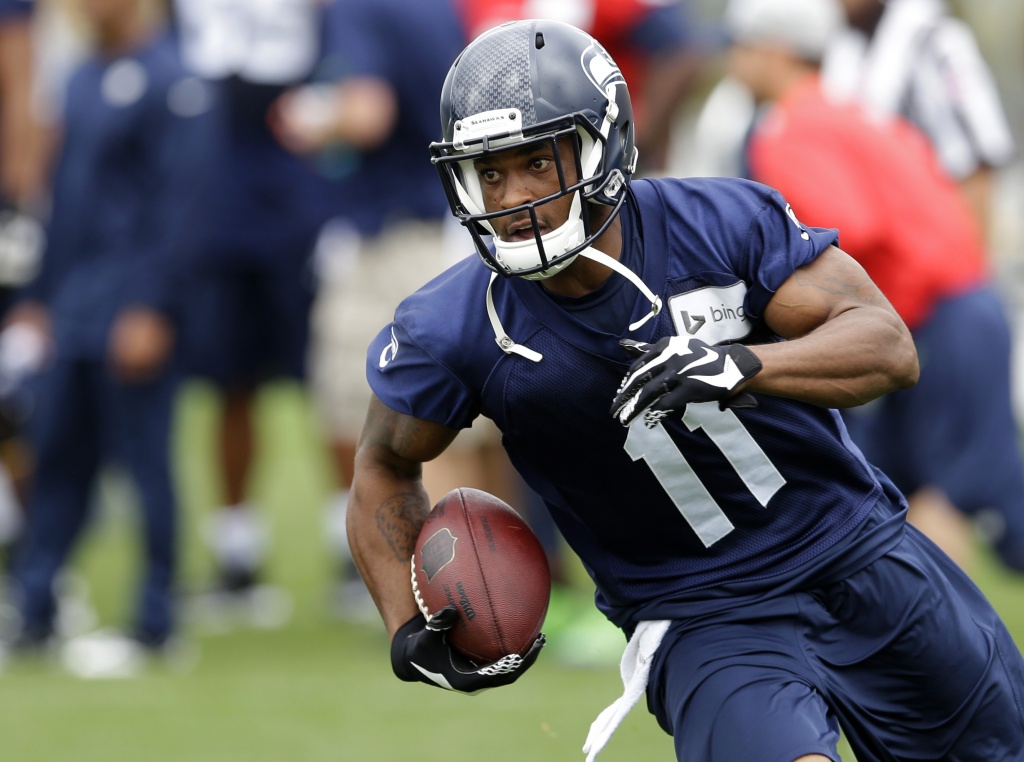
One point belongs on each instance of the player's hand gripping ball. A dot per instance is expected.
(476, 555)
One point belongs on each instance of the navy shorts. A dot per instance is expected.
(247, 326)
(906, 657)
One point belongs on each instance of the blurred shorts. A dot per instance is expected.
(248, 325)
(362, 281)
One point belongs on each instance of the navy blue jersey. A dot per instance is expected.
(124, 200)
(658, 515)
(410, 45)
(263, 203)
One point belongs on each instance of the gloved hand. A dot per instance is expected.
(420, 652)
(676, 370)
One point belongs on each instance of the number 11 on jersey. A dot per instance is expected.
(675, 475)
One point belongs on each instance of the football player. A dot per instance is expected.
(664, 358)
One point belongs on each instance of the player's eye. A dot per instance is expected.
(487, 174)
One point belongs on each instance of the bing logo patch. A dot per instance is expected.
(713, 314)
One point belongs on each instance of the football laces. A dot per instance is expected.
(420, 603)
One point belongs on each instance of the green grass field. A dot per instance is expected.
(315, 689)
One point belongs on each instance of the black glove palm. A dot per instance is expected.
(675, 371)
(420, 652)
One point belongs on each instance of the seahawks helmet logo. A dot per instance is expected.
(600, 69)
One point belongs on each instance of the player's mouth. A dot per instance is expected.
(522, 230)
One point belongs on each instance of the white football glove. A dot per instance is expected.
(675, 371)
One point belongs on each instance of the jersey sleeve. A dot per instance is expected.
(776, 244)
(720, 229)
(433, 363)
(406, 378)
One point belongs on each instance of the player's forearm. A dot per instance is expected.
(388, 504)
(850, 360)
(384, 519)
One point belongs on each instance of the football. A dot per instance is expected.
(477, 554)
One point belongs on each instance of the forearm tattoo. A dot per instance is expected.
(399, 520)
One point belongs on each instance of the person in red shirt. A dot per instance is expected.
(950, 443)
(897, 211)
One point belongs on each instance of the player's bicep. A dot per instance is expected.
(830, 285)
(400, 443)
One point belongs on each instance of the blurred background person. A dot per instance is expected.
(907, 58)
(247, 324)
(106, 306)
(21, 190)
(951, 442)
(913, 58)
(365, 124)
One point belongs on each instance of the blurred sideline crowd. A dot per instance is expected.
(238, 193)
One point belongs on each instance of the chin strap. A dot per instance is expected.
(510, 347)
(632, 277)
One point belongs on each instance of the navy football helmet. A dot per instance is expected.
(526, 82)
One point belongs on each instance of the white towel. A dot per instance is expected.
(635, 668)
